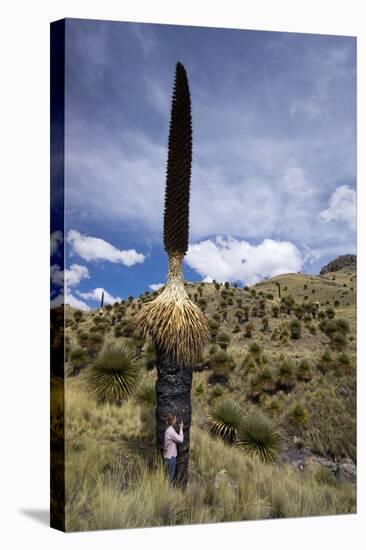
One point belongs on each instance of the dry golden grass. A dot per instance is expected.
(113, 479)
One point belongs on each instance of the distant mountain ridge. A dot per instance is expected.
(348, 261)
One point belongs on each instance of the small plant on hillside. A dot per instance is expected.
(258, 436)
(330, 313)
(339, 341)
(199, 389)
(78, 359)
(275, 311)
(216, 392)
(224, 419)
(274, 406)
(256, 349)
(114, 374)
(83, 338)
(325, 362)
(298, 416)
(265, 324)
(289, 303)
(286, 375)
(299, 312)
(321, 315)
(221, 365)
(78, 315)
(295, 329)
(214, 326)
(223, 340)
(95, 343)
(248, 364)
(249, 329)
(147, 394)
(246, 310)
(150, 356)
(344, 360)
(303, 371)
(239, 313)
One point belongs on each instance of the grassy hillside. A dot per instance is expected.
(292, 360)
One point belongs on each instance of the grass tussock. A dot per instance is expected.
(131, 493)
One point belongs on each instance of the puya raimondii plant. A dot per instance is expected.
(177, 326)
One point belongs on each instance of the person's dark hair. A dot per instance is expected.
(170, 419)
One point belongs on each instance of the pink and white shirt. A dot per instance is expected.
(170, 442)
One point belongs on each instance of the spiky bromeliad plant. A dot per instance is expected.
(258, 436)
(176, 325)
(224, 419)
(115, 373)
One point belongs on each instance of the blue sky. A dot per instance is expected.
(274, 153)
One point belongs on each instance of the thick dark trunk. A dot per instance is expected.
(173, 396)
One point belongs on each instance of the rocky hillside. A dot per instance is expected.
(284, 348)
(348, 261)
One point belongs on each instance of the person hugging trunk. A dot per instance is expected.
(171, 439)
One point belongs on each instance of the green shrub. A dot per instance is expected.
(298, 415)
(330, 313)
(114, 374)
(78, 359)
(255, 349)
(295, 329)
(223, 340)
(285, 374)
(221, 365)
(147, 394)
(344, 360)
(326, 361)
(78, 315)
(83, 337)
(224, 419)
(214, 326)
(274, 407)
(249, 328)
(217, 391)
(150, 356)
(258, 436)
(303, 371)
(339, 341)
(275, 311)
(95, 343)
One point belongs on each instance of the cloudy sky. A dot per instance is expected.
(274, 154)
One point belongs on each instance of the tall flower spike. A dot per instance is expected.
(178, 177)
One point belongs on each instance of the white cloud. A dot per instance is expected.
(72, 276)
(156, 286)
(96, 296)
(229, 259)
(342, 207)
(56, 240)
(71, 300)
(94, 249)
